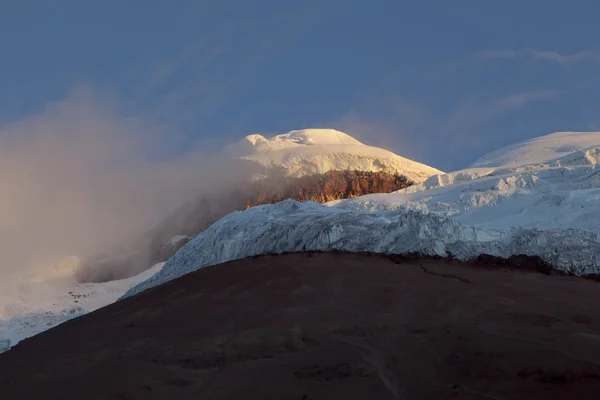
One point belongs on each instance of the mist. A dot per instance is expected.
(79, 178)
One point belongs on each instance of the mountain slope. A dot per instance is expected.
(45, 304)
(539, 150)
(317, 165)
(551, 210)
(312, 164)
(290, 226)
(326, 326)
(557, 193)
(316, 151)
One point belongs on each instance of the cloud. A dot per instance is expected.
(80, 178)
(543, 55)
(473, 113)
(520, 100)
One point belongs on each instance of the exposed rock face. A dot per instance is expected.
(334, 185)
(161, 242)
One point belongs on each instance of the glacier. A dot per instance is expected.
(291, 226)
(561, 193)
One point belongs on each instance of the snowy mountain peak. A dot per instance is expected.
(257, 143)
(255, 139)
(316, 151)
(539, 150)
(317, 136)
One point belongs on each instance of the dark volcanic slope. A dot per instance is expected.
(323, 326)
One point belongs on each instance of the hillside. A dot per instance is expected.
(324, 326)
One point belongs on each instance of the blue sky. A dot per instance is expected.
(442, 82)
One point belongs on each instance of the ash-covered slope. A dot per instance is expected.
(290, 226)
(316, 151)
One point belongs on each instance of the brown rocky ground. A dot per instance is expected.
(323, 326)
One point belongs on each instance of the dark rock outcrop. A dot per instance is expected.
(334, 185)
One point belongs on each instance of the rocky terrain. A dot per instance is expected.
(328, 325)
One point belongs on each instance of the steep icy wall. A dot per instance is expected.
(291, 226)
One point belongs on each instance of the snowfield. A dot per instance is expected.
(539, 150)
(560, 193)
(316, 151)
(44, 303)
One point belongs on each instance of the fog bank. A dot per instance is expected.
(78, 178)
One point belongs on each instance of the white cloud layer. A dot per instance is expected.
(77, 180)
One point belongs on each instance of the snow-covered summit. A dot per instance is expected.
(316, 151)
(305, 137)
(539, 150)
